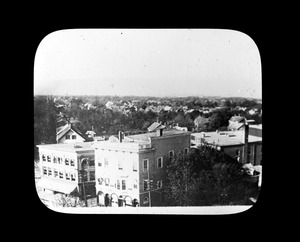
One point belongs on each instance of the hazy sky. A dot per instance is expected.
(152, 62)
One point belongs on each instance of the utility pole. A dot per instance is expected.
(246, 141)
(149, 186)
(82, 171)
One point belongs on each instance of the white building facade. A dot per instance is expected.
(61, 166)
(131, 171)
(117, 176)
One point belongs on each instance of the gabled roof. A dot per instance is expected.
(155, 126)
(235, 126)
(237, 119)
(61, 131)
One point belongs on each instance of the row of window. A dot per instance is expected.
(69, 176)
(70, 136)
(147, 186)
(48, 171)
(58, 160)
(120, 164)
(120, 184)
(159, 163)
(238, 153)
(159, 160)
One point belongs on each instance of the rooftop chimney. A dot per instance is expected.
(121, 136)
(246, 137)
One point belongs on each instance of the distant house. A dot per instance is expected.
(68, 134)
(90, 134)
(109, 105)
(201, 122)
(236, 123)
(253, 111)
(155, 126)
(167, 108)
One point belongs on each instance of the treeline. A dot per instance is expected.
(131, 114)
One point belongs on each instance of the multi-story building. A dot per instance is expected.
(243, 145)
(67, 169)
(131, 170)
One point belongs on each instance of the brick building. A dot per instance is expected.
(233, 143)
(132, 170)
(61, 169)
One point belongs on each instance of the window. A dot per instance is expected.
(67, 136)
(45, 171)
(123, 184)
(159, 184)
(61, 175)
(99, 163)
(55, 173)
(73, 136)
(59, 160)
(106, 162)
(48, 158)
(145, 185)
(159, 162)
(49, 171)
(73, 177)
(54, 159)
(135, 184)
(100, 181)
(67, 176)
(145, 165)
(134, 165)
(186, 150)
(67, 162)
(120, 165)
(237, 154)
(107, 180)
(249, 153)
(91, 163)
(171, 154)
(92, 175)
(43, 157)
(249, 150)
(72, 162)
(118, 184)
(146, 200)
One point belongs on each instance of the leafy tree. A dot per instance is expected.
(219, 119)
(45, 113)
(205, 177)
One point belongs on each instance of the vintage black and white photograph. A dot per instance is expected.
(148, 121)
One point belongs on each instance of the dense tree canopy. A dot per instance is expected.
(206, 177)
(45, 114)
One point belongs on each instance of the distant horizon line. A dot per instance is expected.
(147, 96)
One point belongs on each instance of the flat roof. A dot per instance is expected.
(78, 146)
(166, 133)
(226, 138)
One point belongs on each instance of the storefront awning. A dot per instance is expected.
(58, 186)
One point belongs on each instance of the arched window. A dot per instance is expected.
(135, 203)
(146, 200)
